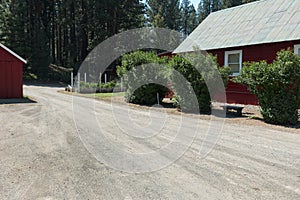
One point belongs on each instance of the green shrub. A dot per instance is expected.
(277, 87)
(84, 85)
(108, 85)
(196, 81)
(132, 66)
(96, 87)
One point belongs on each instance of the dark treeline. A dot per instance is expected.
(63, 32)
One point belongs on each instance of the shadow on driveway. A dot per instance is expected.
(45, 84)
(16, 101)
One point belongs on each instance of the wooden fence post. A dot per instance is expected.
(72, 80)
(78, 82)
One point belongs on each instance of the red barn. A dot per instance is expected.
(11, 74)
(250, 32)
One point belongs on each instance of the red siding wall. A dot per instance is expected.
(11, 76)
(237, 93)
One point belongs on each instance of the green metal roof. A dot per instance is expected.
(265, 21)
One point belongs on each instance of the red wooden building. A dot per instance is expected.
(250, 32)
(11, 74)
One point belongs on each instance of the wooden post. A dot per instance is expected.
(78, 83)
(84, 77)
(105, 76)
(122, 84)
(158, 103)
(100, 81)
(72, 80)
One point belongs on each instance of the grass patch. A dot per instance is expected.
(107, 95)
(255, 117)
(30, 77)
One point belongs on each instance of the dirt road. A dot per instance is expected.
(47, 154)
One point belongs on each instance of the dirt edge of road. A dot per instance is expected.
(251, 115)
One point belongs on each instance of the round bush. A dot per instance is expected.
(196, 81)
(277, 86)
(132, 66)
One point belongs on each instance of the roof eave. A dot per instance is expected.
(236, 46)
(13, 53)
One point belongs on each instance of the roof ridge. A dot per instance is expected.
(239, 6)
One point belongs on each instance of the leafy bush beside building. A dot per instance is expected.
(139, 68)
(277, 86)
(198, 69)
(191, 91)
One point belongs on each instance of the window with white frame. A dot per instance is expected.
(297, 49)
(234, 60)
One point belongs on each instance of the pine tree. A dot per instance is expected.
(164, 13)
(188, 17)
(204, 9)
(208, 6)
(216, 5)
(193, 22)
(130, 15)
(63, 32)
(16, 26)
(233, 3)
(155, 13)
(172, 14)
(4, 17)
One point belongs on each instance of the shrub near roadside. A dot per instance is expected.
(277, 87)
(196, 82)
(132, 66)
(97, 87)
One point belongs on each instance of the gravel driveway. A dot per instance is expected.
(44, 155)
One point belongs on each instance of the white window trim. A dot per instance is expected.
(296, 48)
(227, 53)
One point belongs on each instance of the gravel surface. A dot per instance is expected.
(45, 155)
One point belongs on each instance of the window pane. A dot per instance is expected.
(235, 68)
(234, 58)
